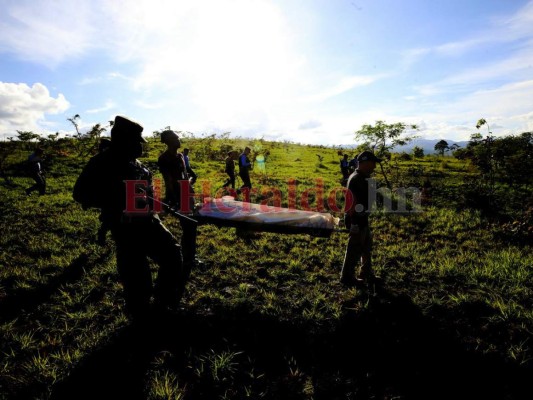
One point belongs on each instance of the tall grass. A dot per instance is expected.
(61, 300)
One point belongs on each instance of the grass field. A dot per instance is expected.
(266, 317)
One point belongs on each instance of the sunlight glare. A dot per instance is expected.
(240, 57)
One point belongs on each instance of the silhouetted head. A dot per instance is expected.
(366, 162)
(126, 137)
(171, 139)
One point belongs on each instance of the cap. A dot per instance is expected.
(367, 156)
(167, 135)
(125, 129)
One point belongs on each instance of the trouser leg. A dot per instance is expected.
(366, 256)
(246, 183)
(352, 258)
(134, 272)
(41, 185)
(165, 251)
(188, 240)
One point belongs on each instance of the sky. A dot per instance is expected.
(307, 71)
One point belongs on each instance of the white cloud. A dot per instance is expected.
(89, 80)
(47, 33)
(497, 88)
(516, 66)
(506, 108)
(343, 85)
(109, 105)
(235, 65)
(310, 124)
(24, 108)
(500, 30)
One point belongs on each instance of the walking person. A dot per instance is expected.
(230, 169)
(244, 168)
(110, 181)
(359, 248)
(345, 169)
(35, 166)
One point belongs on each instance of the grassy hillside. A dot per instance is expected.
(266, 317)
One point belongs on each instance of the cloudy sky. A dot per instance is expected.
(310, 71)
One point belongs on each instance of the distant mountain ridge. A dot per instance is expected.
(428, 145)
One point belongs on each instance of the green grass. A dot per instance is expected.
(268, 317)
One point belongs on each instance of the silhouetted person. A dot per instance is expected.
(230, 169)
(352, 164)
(172, 166)
(345, 169)
(179, 194)
(192, 175)
(244, 168)
(359, 249)
(117, 183)
(35, 166)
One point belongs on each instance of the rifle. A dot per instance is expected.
(169, 208)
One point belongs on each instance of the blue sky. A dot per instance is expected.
(309, 71)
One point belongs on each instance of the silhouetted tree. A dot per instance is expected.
(381, 138)
(418, 152)
(441, 147)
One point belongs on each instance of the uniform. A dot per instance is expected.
(359, 247)
(107, 182)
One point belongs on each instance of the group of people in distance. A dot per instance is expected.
(106, 183)
(347, 167)
(245, 165)
(171, 139)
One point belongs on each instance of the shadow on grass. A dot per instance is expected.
(389, 350)
(26, 300)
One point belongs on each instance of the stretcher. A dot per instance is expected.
(228, 212)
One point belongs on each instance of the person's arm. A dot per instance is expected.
(87, 188)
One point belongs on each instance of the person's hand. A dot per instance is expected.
(354, 230)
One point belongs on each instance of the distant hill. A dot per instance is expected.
(427, 144)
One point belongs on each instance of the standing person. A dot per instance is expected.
(179, 194)
(110, 182)
(192, 175)
(244, 168)
(352, 164)
(359, 248)
(345, 169)
(172, 165)
(35, 163)
(230, 169)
